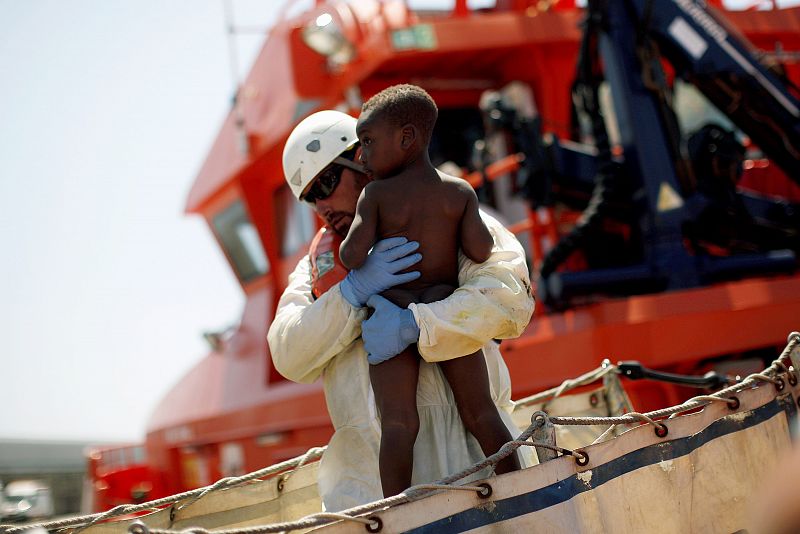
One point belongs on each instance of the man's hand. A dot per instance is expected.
(380, 270)
(388, 331)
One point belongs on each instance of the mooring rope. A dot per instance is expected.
(85, 521)
(412, 493)
(415, 492)
(775, 367)
(568, 384)
(538, 420)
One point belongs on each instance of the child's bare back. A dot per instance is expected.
(438, 211)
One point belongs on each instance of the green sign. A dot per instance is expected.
(420, 37)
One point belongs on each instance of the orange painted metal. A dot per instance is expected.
(233, 413)
(495, 170)
(121, 475)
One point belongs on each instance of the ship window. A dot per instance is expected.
(138, 455)
(241, 242)
(294, 221)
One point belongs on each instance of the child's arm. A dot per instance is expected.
(353, 250)
(476, 240)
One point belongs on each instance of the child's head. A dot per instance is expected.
(395, 126)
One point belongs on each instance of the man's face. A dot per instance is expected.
(381, 145)
(338, 209)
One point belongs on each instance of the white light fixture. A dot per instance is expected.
(323, 36)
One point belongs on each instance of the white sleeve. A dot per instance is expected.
(306, 334)
(493, 301)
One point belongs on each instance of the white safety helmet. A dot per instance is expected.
(315, 143)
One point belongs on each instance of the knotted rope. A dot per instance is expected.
(85, 521)
(415, 492)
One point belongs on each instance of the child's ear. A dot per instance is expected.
(408, 135)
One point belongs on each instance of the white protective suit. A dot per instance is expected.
(309, 339)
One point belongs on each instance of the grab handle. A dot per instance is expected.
(636, 371)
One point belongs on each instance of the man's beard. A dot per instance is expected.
(340, 221)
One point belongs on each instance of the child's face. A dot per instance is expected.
(382, 151)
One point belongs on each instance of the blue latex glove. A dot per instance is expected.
(388, 331)
(380, 270)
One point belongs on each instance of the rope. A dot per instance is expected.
(537, 420)
(310, 453)
(641, 417)
(478, 489)
(733, 403)
(504, 451)
(415, 492)
(781, 366)
(221, 483)
(570, 383)
(225, 482)
(317, 519)
(602, 437)
(412, 493)
(711, 398)
(791, 342)
(536, 444)
(85, 521)
(750, 381)
(345, 517)
(764, 377)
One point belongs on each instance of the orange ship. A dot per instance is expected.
(713, 288)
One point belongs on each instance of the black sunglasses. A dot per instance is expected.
(324, 185)
(329, 178)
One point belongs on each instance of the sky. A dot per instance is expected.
(107, 111)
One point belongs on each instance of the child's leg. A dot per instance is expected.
(469, 380)
(395, 385)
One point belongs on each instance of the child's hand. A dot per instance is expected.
(380, 271)
(388, 331)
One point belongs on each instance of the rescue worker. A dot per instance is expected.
(317, 327)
